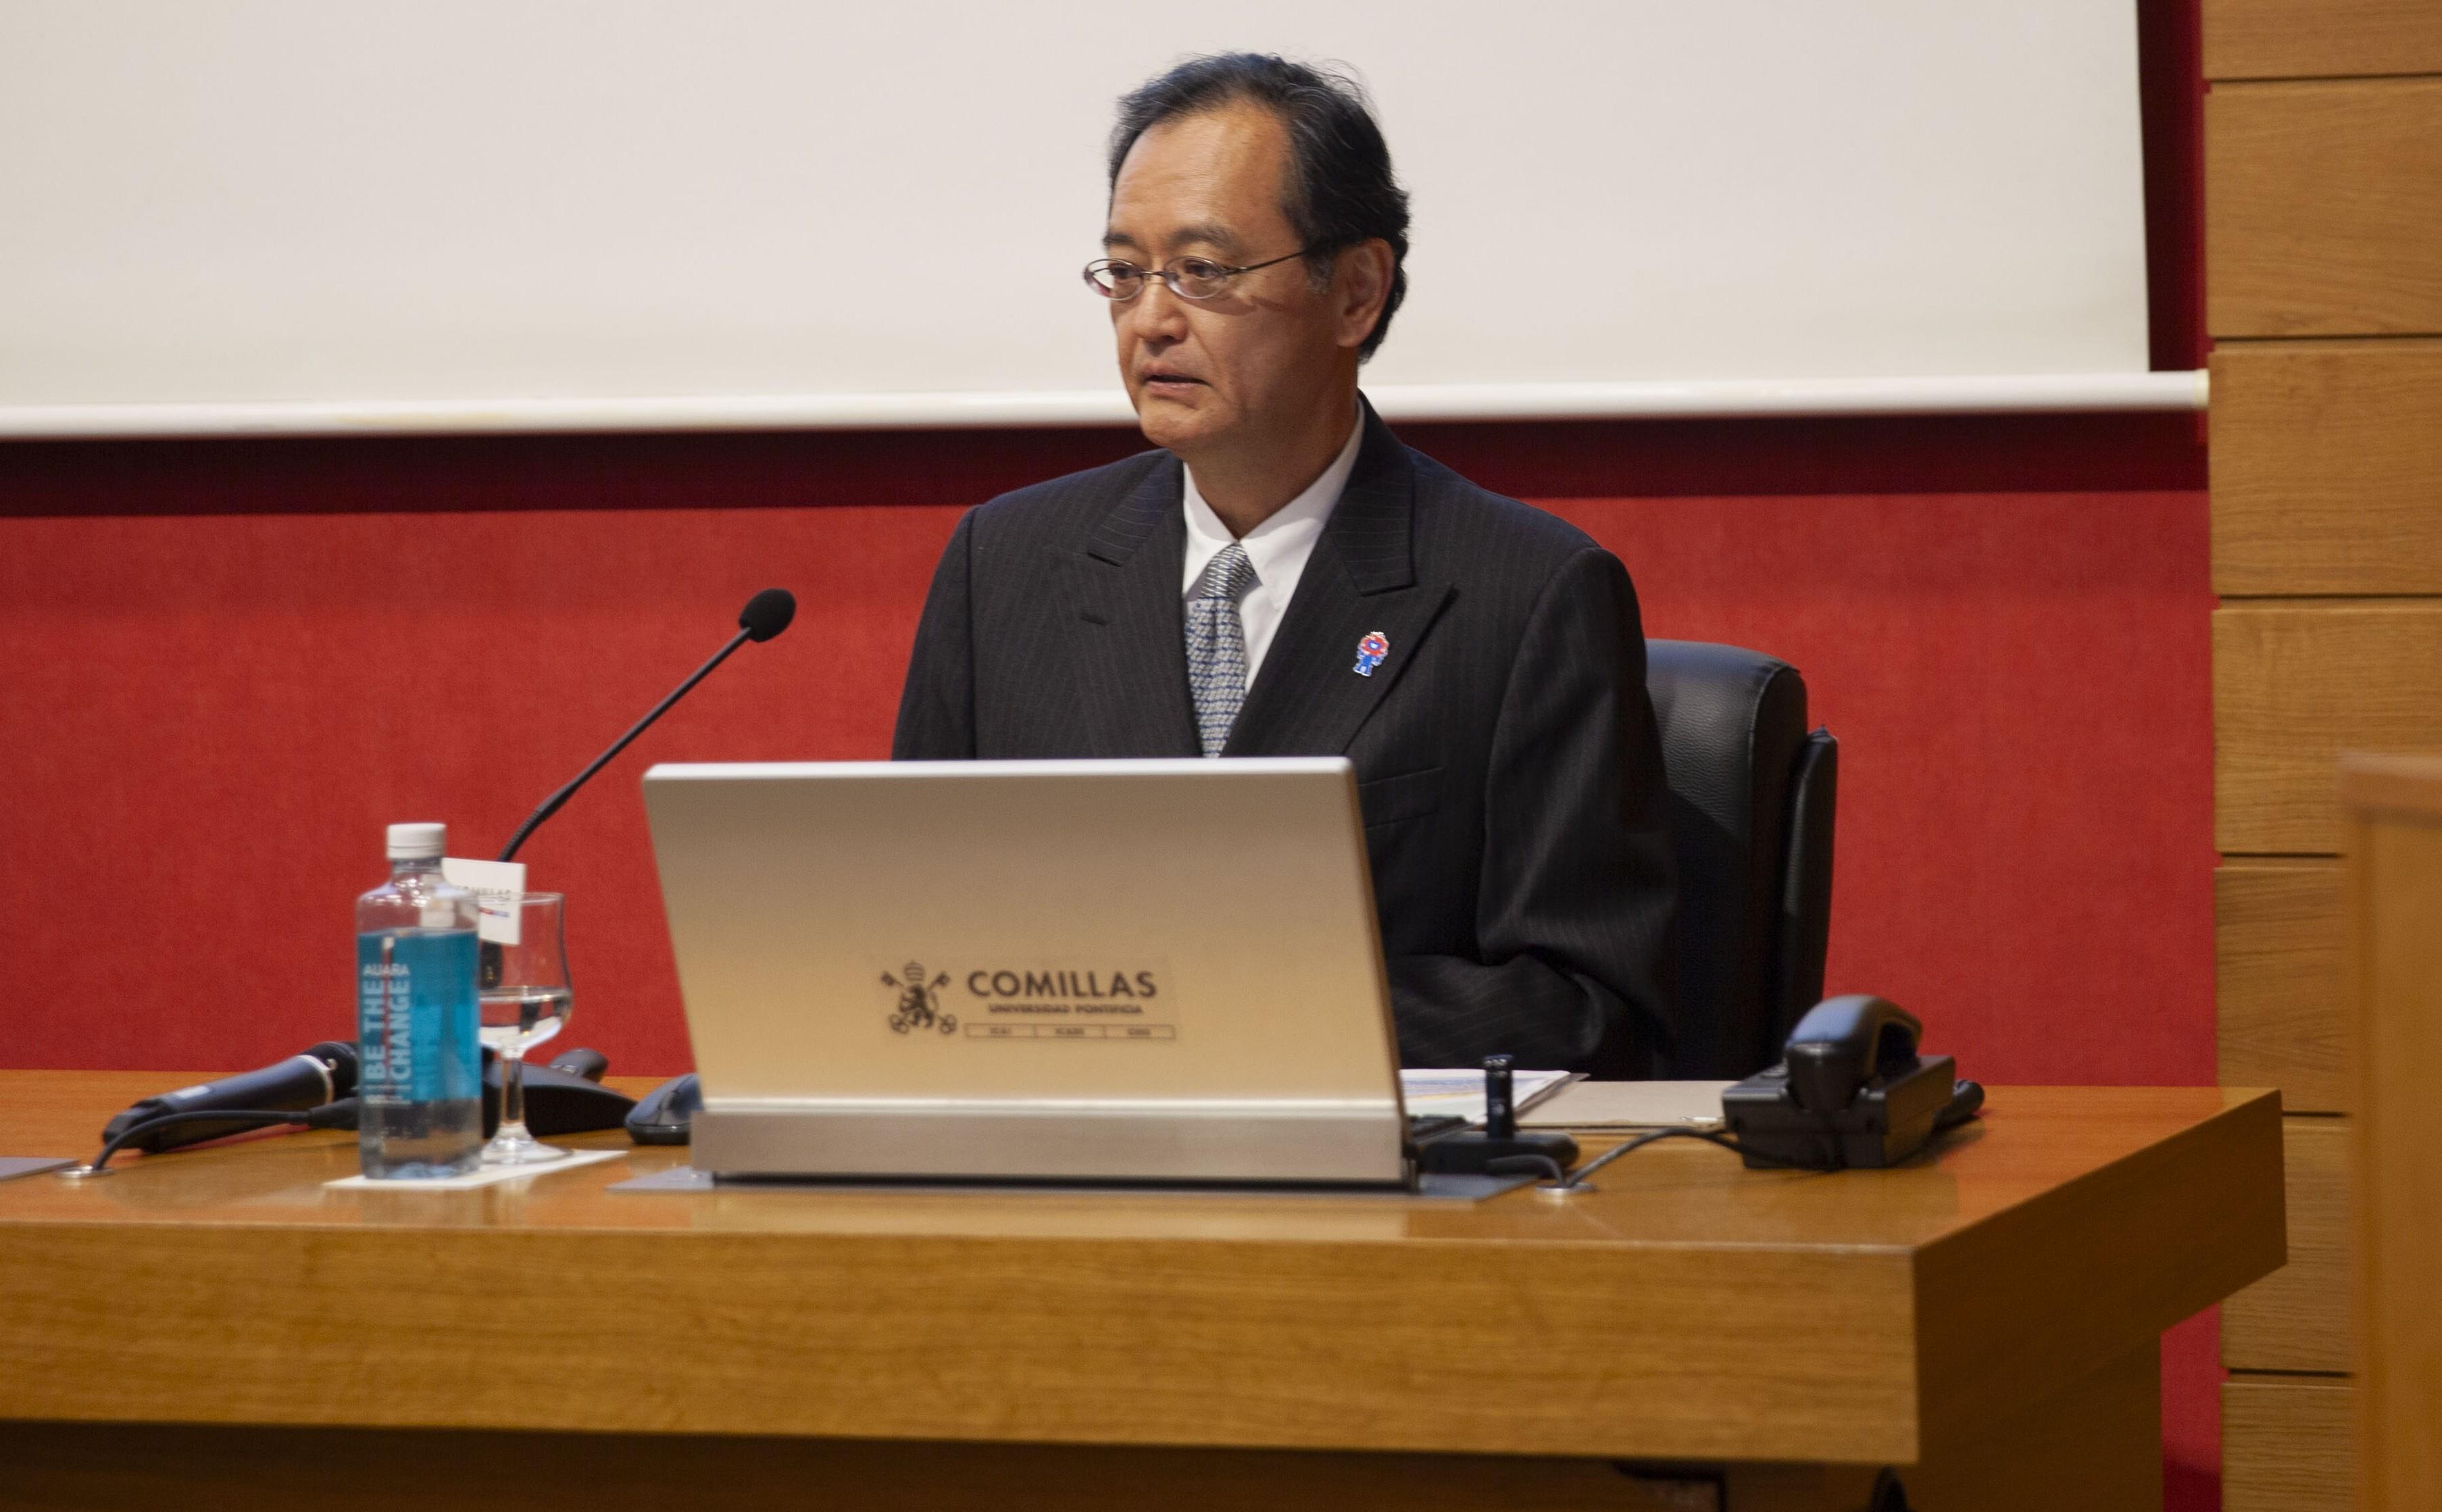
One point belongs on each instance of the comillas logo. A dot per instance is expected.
(920, 1000)
(1094, 1002)
(1069, 985)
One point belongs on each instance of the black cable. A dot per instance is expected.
(1527, 1165)
(252, 1118)
(1578, 1177)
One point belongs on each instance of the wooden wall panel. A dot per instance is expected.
(2324, 208)
(2294, 684)
(2288, 1445)
(2280, 970)
(2311, 39)
(2394, 900)
(2327, 466)
(2322, 211)
(2297, 1319)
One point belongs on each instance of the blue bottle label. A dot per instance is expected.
(415, 1015)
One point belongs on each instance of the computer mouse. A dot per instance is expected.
(666, 1112)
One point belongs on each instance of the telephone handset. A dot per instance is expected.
(1851, 1090)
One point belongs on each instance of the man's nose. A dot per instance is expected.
(1159, 314)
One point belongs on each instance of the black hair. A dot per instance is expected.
(1340, 191)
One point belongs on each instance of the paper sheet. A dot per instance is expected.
(496, 885)
(1459, 1090)
(490, 1175)
(33, 1165)
(1630, 1105)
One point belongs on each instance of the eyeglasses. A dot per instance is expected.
(1190, 278)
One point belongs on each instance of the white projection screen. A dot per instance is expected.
(298, 215)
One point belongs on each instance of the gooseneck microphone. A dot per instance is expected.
(324, 1074)
(765, 615)
(323, 1079)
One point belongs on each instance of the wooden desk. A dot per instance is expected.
(1986, 1317)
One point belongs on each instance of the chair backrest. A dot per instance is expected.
(1753, 794)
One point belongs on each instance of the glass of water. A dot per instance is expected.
(523, 988)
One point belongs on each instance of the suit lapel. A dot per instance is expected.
(1133, 680)
(1308, 698)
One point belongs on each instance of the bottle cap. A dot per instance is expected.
(416, 842)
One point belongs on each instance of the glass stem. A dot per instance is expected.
(513, 1094)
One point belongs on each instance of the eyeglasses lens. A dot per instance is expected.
(1198, 278)
(1194, 277)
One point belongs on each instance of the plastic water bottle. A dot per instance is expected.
(420, 1079)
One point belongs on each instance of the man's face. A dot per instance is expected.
(1250, 365)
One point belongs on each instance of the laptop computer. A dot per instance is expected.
(1145, 970)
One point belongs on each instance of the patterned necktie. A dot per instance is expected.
(1216, 646)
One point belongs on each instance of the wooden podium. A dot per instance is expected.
(215, 1330)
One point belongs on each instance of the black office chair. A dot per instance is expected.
(1752, 795)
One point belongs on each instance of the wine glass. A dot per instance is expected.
(525, 1001)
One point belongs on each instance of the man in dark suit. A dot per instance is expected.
(1284, 577)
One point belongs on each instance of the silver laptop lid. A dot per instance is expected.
(1162, 969)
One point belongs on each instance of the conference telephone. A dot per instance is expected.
(1851, 1090)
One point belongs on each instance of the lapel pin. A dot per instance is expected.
(1369, 652)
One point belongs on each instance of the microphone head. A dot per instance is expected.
(340, 1056)
(767, 614)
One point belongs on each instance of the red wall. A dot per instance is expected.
(230, 664)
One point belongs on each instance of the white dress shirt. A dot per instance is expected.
(1279, 548)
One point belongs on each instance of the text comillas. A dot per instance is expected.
(1061, 990)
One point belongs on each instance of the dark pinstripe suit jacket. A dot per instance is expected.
(1505, 751)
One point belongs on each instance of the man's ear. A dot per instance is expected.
(1361, 282)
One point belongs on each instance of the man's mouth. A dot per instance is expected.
(1160, 380)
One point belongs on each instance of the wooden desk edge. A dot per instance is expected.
(2406, 785)
(2220, 1178)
